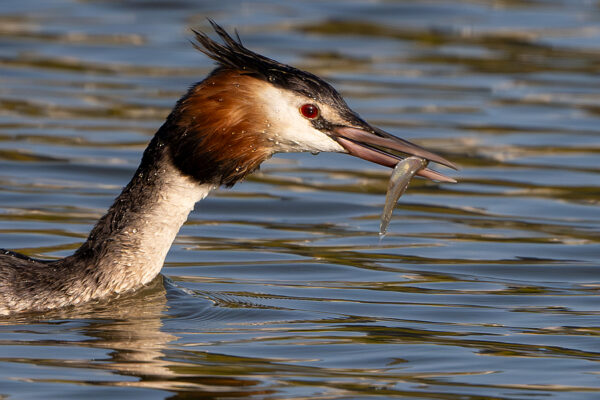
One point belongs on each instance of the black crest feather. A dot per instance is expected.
(231, 54)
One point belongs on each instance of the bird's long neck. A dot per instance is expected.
(206, 141)
(127, 247)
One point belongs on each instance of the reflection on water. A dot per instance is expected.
(281, 287)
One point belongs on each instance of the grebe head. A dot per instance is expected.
(251, 107)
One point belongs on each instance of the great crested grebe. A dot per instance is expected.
(247, 109)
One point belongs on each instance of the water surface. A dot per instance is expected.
(280, 287)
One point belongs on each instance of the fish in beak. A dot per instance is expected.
(375, 145)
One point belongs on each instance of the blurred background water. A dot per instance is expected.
(280, 287)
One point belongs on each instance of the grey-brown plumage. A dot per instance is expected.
(120, 253)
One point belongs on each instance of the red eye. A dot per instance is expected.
(309, 111)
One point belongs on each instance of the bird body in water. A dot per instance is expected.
(249, 108)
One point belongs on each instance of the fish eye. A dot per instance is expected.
(309, 111)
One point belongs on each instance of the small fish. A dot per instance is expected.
(401, 176)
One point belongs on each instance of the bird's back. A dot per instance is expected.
(22, 281)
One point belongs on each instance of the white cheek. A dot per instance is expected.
(288, 129)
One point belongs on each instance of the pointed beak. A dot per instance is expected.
(378, 146)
